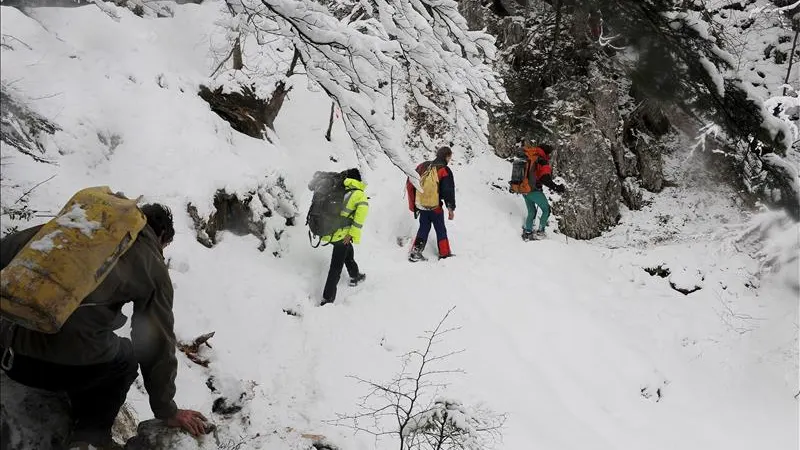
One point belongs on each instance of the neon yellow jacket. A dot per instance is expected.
(354, 213)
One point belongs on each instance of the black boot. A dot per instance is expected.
(358, 279)
(416, 252)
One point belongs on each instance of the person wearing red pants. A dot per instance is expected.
(439, 191)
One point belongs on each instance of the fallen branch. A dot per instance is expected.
(29, 191)
(192, 350)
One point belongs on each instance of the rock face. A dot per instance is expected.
(31, 418)
(591, 202)
(609, 141)
(604, 96)
(650, 164)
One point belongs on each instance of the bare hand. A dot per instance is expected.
(188, 420)
(347, 240)
(451, 214)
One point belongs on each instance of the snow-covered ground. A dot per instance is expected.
(575, 341)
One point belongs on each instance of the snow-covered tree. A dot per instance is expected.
(406, 407)
(681, 53)
(356, 52)
(450, 425)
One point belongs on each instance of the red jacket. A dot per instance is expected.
(542, 171)
(447, 190)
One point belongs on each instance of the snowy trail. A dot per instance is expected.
(567, 337)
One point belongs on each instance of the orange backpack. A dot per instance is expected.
(520, 170)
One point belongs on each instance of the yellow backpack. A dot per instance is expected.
(428, 197)
(68, 258)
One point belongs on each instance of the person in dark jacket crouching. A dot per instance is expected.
(87, 360)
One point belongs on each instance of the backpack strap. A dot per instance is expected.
(311, 240)
(7, 359)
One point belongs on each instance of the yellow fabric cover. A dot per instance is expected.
(68, 258)
(428, 197)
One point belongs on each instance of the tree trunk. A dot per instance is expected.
(791, 61)
(330, 122)
(556, 32)
(276, 101)
(238, 64)
(391, 89)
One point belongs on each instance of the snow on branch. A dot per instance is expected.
(353, 59)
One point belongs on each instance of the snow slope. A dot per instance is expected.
(574, 341)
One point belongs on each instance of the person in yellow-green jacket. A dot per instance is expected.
(354, 214)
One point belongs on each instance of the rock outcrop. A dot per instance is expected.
(38, 419)
(31, 418)
(264, 212)
(591, 203)
(573, 94)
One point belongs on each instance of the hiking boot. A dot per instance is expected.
(541, 234)
(358, 279)
(416, 256)
(325, 302)
(527, 236)
(449, 255)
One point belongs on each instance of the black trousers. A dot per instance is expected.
(96, 392)
(343, 256)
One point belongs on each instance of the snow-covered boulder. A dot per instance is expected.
(38, 419)
(264, 212)
(31, 418)
(155, 435)
(686, 281)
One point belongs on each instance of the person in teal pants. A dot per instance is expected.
(534, 201)
(539, 175)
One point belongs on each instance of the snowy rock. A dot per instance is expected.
(650, 164)
(605, 98)
(503, 138)
(31, 418)
(632, 193)
(264, 212)
(38, 419)
(155, 435)
(591, 203)
(232, 394)
(125, 425)
(686, 281)
(472, 10)
(510, 31)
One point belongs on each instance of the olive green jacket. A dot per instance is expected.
(87, 337)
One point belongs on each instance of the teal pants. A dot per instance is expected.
(533, 200)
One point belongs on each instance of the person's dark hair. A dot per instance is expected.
(547, 148)
(443, 153)
(353, 173)
(159, 217)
